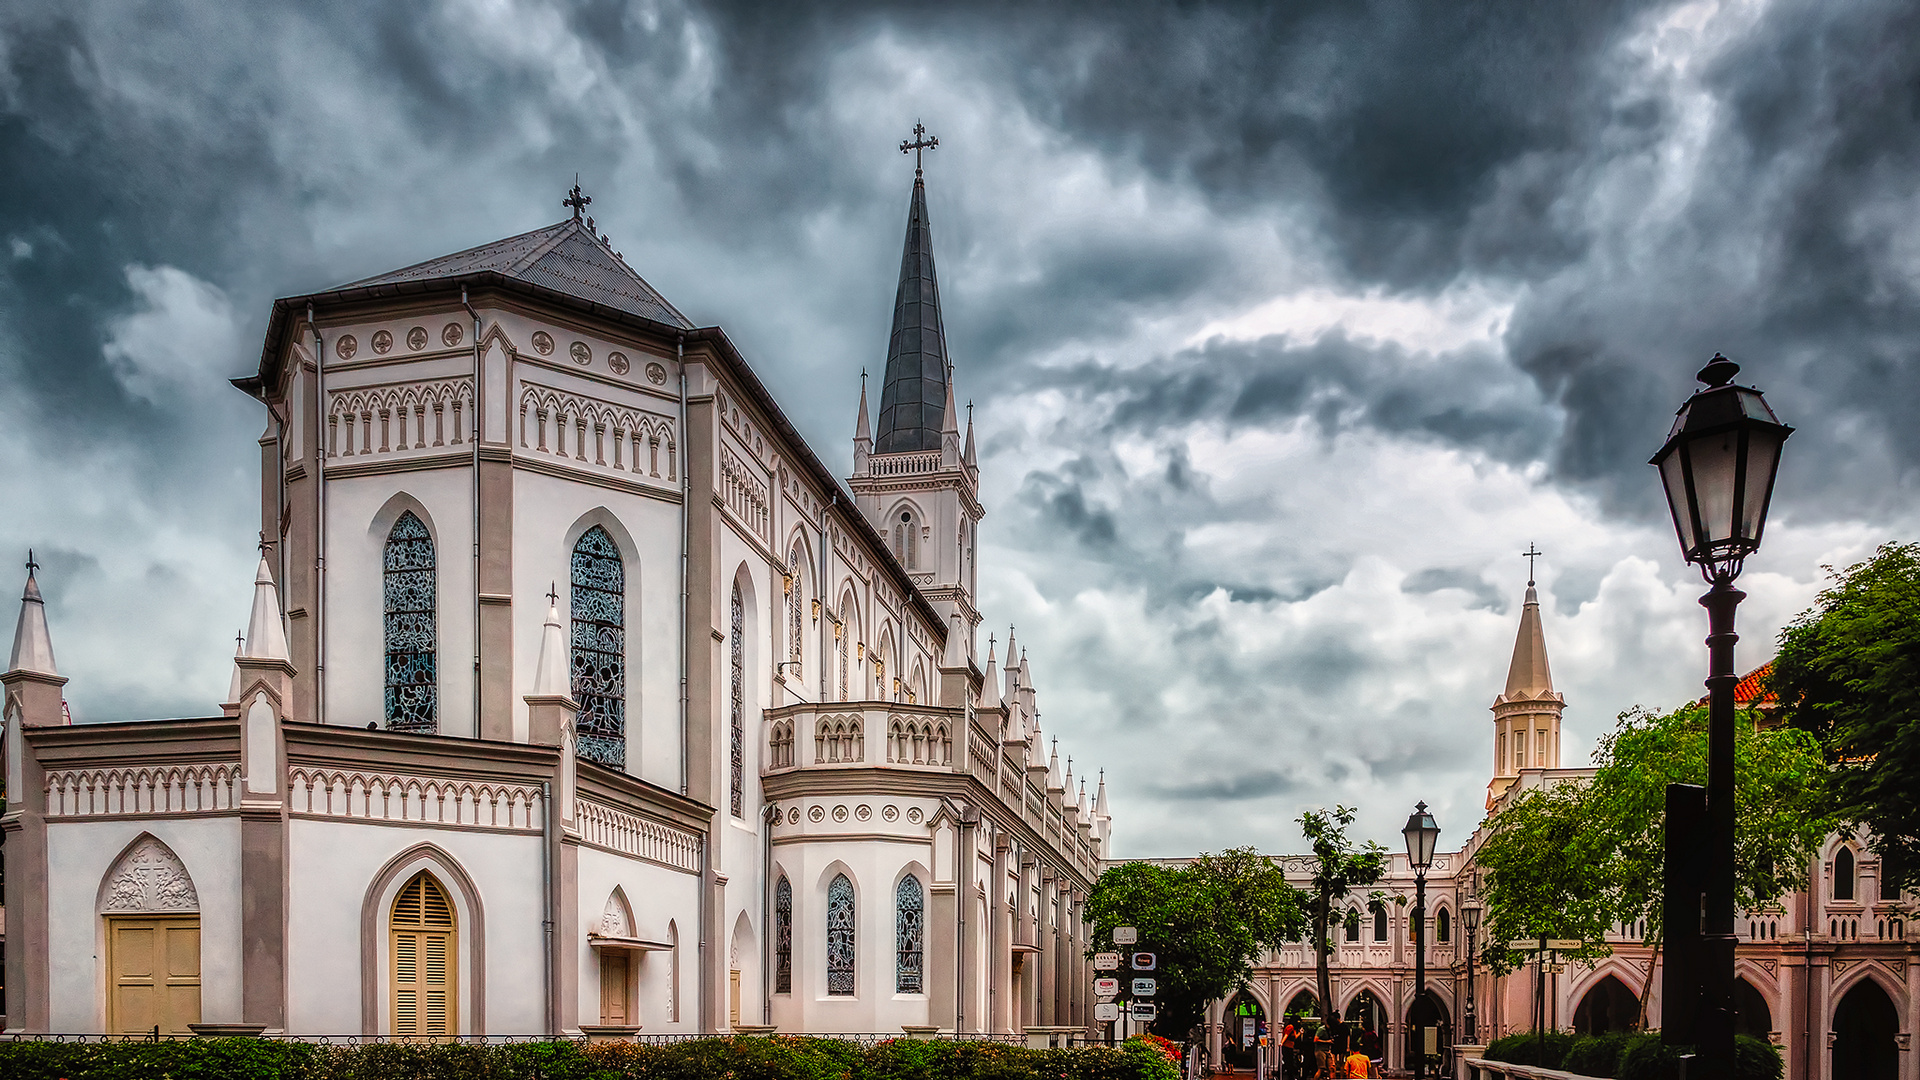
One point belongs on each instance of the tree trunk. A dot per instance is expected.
(1325, 982)
(1646, 988)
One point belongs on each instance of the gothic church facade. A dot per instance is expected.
(578, 694)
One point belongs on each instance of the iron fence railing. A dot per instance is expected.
(864, 1038)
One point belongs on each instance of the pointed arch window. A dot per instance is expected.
(840, 937)
(737, 660)
(1353, 924)
(782, 936)
(1843, 874)
(909, 924)
(794, 603)
(841, 633)
(423, 938)
(1379, 920)
(600, 648)
(906, 540)
(408, 595)
(1443, 927)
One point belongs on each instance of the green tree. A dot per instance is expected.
(1338, 869)
(1574, 859)
(1208, 921)
(1849, 672)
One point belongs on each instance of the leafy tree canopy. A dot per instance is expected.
(1339, 868)
(1849, 672)
(1208, 920)
(1573, 859)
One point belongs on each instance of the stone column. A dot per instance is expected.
(1001, 959)
(31, 699)
(1049, 949)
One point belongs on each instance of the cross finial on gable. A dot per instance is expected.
(1533, 552)
(920, 142)
(553, 593)
(31, 565)
(263, 543)
(576, 200)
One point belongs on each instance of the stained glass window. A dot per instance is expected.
(841, 634)
(794, 601)
(782, 936)
(908, 923)
(840, 936)
(600, 648)
(409, 597)
(739, 709)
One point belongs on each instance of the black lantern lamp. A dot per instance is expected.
(1422, 834)
(1717, 468)
(1470, 918)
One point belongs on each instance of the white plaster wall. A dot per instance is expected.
(659, 897)
(355, 617)
(79, 854)
(548, 512)
(738, 853)
(875, 867)
(333, 865)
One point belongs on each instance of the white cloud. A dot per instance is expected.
(180, 341)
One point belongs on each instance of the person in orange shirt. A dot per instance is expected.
(1359, 1065)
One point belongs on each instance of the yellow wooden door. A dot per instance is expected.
(154, 967)
(615, 1007)
(733, 998)
(424, 941)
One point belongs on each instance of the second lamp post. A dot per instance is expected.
(1422, 834)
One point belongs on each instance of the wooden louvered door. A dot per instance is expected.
(425, 953)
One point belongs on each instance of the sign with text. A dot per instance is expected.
(1141, 1010)
(1125, 935)
(1558, 945)
(1144, 988)
(1104, 1013)
(1106, 961)
(1106, 987)
(1143, 961)
(1524, 945)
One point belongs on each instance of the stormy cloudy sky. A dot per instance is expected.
(1288, 325)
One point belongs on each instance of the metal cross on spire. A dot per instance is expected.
(921, 142)
(31, 565)
(576, 200)
(553, 593)
(1533, 552)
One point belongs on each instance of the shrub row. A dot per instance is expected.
(779, 1057)
(1624, 1055)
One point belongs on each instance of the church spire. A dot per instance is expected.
(914, 393)
(1527, 675)
(1526, 715)
(32, 645)
(266, 633)
(968, 457)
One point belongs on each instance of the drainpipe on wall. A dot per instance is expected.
(768, 815)
(320, 525)
(706, 886)
(823, 591)
(477, 431)
(686, 510)
(546, 903)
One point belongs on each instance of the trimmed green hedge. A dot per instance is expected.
(1630, 1056)
(779, 1057)
(1525, 1048)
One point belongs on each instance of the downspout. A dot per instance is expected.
(546, 903)
(768, 815)
(320, 548)
(476, 432)
(706, 877)
(826, 613)
(686, 510)
(1806, 974)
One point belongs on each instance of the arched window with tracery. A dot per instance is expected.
(842, 642)
(1843, 874)
(782, 936)
(906, 539)
(780, 748)
(795, 600)
(739, 729)
(409, 589)
(1353, 924)
(840, 937)
(1379, 920)
(600, 648)
(909, 924)
(1443, 927)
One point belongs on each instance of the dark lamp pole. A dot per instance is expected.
(1717, 469)
(1421, 834)
(1470, 916)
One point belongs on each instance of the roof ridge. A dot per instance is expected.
(560, 234)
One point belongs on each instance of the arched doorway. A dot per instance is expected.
(1366, 1020)
(1607, 1006)
(1750, 1013)
(1429, 1032)
(1245, 1021)
(1865, 1027)
(1304, 1006)
(152, 915)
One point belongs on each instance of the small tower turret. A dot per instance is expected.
(1526, 715)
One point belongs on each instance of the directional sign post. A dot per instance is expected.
(1144, 988)
(1106, 961)
(1106, 987)
(1125, 935)
(1141, 1010)
(1560, 945)
(1106, 1013)
(1143, 961)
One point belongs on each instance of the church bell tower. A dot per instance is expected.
(917, 479)
(1526, 716)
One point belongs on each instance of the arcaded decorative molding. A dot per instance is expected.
(392, 419)
(158, 789)
(148, 879)
(746, 495)
(596, 433)
(372, 796)
(628, 834)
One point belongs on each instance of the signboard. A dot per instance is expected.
(1125, 935)
(1141, 1010)
(1524, 945)
(1104, 1013)
(1565, 946)
(1106, 961)
(1144, 988)
(1106, 987)
(1143, 961)
(1246, 1032)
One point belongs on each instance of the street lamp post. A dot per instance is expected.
(1421, 834)
(1470, 915)
(1717, 469)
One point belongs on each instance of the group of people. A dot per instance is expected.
(1335, 1051)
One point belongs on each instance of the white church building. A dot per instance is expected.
(578, 694)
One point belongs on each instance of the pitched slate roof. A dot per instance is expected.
(565, 257)
(913, 400)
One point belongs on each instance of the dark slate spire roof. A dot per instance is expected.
(913, 400)
(565, 257)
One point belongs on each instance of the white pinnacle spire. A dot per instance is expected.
(550, 676)
(1100, 796)
(990, 683)
(266, 633)
(1053, 766)
(239, 650)
(32, 645)
(968, 456)
(862, 430)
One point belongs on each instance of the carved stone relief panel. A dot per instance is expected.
(148, 878)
